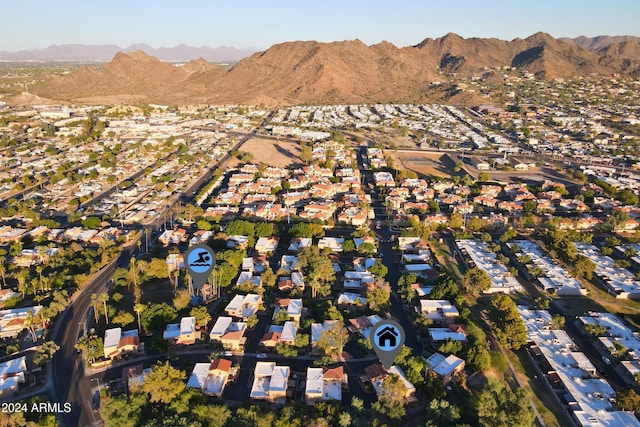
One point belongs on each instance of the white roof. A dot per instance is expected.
(264, 369)
(187, 325)
(112, 337)
(199, 375)
(172, 331)
(315, 379)
(444, 366)
(441, 334)
(295, 307)
(590, 394)
(206, 380)
(279, 379)
(247, 263)
(236, 303)
(297, 278)
(13, 366)
(221, 326)
(289, 331)
(351, 298)
(10, 382)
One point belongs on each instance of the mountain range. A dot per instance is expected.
(338, 72)
(104, 53)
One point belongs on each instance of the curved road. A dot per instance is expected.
(67, 367)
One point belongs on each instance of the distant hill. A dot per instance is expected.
(338, 72)
(104, 53)
(597, 43)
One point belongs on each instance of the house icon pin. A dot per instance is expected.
(387, 337)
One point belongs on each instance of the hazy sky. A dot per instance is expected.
(28, 24)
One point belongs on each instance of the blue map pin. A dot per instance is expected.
(199, 261)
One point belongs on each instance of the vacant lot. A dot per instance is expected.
(428, 164)
(273, 153)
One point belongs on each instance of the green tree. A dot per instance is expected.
(378, 299)
(478, 358)
(306, 154)
(441, 412)
(164, 383)
(157, 269)
(225, 274)
(378, 269)
(123, 318)
(508, 235)
(628, 400)
(510, 328)
(212, 415)
(456, 220)
(91, 347)
(476, 280)
(92, 222)
(139, 308)
(333, 339)
(264, 229)
(123, 411)
(203, 224)
(391, 397)
(318, 269)
(45, 353)
(202, 316)
(156, 316)
(498, 406)
(348, 246)
(557, 321)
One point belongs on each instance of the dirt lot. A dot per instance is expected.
(428, 164)
(273, 153)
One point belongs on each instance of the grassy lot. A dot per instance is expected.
(547, 406)
(443, 254)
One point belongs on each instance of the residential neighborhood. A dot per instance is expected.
(474, 239)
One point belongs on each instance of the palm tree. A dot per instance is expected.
(95, 303)
(39, 270)
(103, 298)
(29, 324)
(2, 271)
(21, 277)
(139, 308)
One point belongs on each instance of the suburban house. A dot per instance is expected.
(299, 243)
(333, 243)
(377, 373)
(266, 245)
(363, 324)
(445, 367)
(210, 377)
(452, 332)
(438, 311)
(316, 331)
(134, 376)
(12, 321)
(293, 307)
(183, 333)
(280, 334)
(228, 333)
(118, 342)
(324, 384)
(270, 382)
(12, 375)
(296, 280)
(244, 306)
